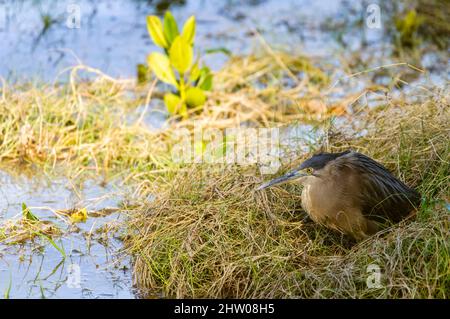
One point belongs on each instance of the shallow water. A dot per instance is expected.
(113, 37)
(92, 269)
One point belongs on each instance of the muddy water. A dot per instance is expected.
(92, 268)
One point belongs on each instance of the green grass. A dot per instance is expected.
(8, 289)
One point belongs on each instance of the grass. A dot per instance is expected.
(19, 231)
(207, 233)
(8, 290)
(87, 127)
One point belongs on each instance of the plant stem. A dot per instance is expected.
(182, 87)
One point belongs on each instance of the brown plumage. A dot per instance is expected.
(351, 193)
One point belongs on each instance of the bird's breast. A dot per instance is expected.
(315, 204)
(306, 199)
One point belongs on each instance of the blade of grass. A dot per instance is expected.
(52, 242)
(8, 290)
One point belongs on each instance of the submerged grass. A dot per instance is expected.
(207, 233)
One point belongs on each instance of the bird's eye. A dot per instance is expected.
(309, 170)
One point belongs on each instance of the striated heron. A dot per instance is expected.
(350, 192)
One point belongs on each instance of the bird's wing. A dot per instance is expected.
(380, 194)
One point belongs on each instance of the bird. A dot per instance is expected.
(351, 193)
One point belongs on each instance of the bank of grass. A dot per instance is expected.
(207, 233)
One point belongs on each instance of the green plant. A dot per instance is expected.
(407, 28)
(8, 289)
(177, 66)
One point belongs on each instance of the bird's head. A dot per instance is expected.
(311, 168)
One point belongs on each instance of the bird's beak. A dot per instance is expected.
(283, 179)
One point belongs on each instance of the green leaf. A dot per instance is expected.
(155, 29)
(27, 214)
(160, 65)
(183, 111)
(206, 82)
(195, 97)
(181, 55)
(194, 73)
(189, 30)
(173, 103)
(206, 79)
(170, 28)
